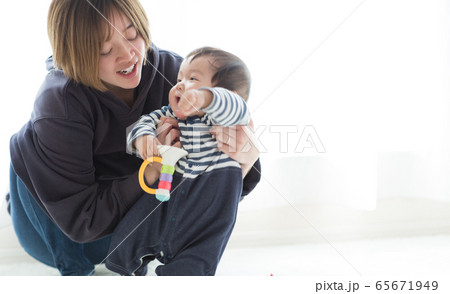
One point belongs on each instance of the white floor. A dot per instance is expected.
(428, 255)
(261, 248)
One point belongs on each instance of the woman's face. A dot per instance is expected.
(122, 55)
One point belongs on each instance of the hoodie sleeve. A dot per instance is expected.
(59, 172)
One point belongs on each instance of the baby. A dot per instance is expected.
(188, 234)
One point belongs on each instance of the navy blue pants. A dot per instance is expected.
(42, 239)
(188, 234)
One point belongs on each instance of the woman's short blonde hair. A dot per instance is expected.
(77, 30)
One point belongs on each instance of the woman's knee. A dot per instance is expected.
(28, 237)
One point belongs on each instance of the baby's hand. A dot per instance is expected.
(192, 101)
(147, 146)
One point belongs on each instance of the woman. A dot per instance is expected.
(71, 178)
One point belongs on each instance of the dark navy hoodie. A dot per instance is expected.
(71, 154)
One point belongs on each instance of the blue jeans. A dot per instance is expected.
(43, 240)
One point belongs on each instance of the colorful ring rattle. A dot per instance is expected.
(170, 156)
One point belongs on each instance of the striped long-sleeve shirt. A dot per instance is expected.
(226, 109)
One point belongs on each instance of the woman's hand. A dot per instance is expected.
(239, 143)
(152, 173)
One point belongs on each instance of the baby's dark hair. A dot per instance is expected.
(231, 72)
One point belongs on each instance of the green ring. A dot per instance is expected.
(167, 169)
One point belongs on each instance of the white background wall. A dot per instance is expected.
(370, 76)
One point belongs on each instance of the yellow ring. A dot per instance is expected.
(141, 174)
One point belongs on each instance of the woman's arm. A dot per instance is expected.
(239, 143)
(56, 162)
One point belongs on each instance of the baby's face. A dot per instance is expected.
(192, 75)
